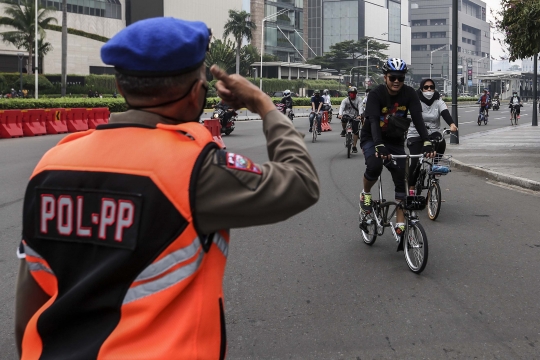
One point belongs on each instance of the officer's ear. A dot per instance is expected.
(120, 91)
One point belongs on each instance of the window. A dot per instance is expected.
(436, 46)
(441, 34)
(102, 8)
(438, 22)
(419, 23)
(419, 35)
(463, 39)
(394, 21)
(473, 42)
(468, 41)
(419, 47)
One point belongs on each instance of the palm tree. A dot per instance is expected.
(64, 47)
(20, 15)
(221, 53)
(239, 26)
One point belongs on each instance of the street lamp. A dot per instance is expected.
(477, 79)
(431, 59)
(367, 57)
(21, 56)
(302, 82)
(262, 38)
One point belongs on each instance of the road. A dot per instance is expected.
(308, 288)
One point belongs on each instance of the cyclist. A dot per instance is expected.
(433, 107)
(352, 107)
(484, 102)
(287, 101)
(383, 134)
(316, 105)
(515, 100)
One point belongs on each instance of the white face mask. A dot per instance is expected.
(428, 94)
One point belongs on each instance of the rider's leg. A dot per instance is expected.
(440, 150)
(398, 176)
(311, 117)
(415, 147)
(374, 167)
(518, 109)
(343, 126)
(355, 128)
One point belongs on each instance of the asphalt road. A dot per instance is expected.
(308, 288)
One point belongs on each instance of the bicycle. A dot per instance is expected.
(482, 117)
(429, 172)
(315, 127)
(415, 246)
(348, 135)
(513, 115)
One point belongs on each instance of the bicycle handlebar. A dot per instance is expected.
(407, 156)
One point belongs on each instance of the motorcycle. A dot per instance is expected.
(282, 108)
(219, 113)
(329, 109)
(496, 104)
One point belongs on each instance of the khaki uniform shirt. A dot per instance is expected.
(229, 198)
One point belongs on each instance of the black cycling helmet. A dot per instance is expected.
(394, 65)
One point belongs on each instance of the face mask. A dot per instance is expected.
(352, 96)
(515, 95)
(428, 94)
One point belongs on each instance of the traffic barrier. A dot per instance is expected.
(97, 116)
(325, 126)
(55, 121)
(77, 119)
(33, 122)
(11, 123)
(214, 126)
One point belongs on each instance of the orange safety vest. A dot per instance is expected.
(109, 234)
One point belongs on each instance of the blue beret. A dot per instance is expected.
(162, 46)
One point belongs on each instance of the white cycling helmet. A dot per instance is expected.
(287, 93)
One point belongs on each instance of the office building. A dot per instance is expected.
(333, 21)
(283, 34)
(431, 24)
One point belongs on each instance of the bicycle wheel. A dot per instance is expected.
(314, 130)
(420, 181)
(415, 247)
(370, 234)
(434, 200)
(479, 120)
(348, 143)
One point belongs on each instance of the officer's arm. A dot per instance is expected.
(29, 299)
(228, 196)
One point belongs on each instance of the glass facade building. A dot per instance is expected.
(284, 33)
(101, 8)
(341, 22)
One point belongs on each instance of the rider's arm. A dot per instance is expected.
(373, 116)
(342, 107)
(443, 110)
(312, 105)
(415, 108)
(320, 106)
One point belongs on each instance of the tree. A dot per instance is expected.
(20, 15)
(239, 26)
(519, 21)
(221, 53)
(64, 47)
(248, 56)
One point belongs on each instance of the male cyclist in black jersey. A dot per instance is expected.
(383, 134)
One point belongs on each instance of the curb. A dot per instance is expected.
(496, 176)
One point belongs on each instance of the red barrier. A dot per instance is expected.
(55, 121)
(324, 122)
(77, 119)
(214, 126)
(97, 116)
(33, 122)
(11, 123)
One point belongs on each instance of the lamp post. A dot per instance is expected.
(21, 56)
(431, 58)
(477, 79)
(302, 93)
(262, 39)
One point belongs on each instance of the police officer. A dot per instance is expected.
(125, 227)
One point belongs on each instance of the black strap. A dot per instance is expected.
(354, 107)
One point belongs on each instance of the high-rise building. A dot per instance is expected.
(431, 23)
(527, 65)
(284, 35)
(333, 21)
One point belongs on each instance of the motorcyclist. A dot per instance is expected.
(287, 101)
(228, 113)
(327, 103)
(316, 105)
(515, 100)
(484, 102)
(351, 107)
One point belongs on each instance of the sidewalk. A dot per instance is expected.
(510, 155)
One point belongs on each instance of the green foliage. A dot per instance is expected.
(222, 53)
(248, 56)
(20, 19)
(239, 26)
(269, 58)
(29, 82)
(79, 33)
(114, 105)
(4, 87)
(347, 54)
(519, 21)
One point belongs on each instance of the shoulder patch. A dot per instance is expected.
(239, 162)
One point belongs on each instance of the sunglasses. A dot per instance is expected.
(393, 78)
(429, 87)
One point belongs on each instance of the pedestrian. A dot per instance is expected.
(125, 227)
(90, 94)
